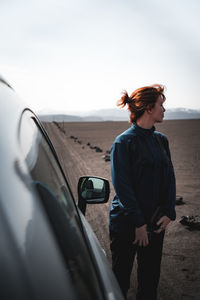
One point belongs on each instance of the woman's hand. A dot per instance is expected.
(163, 222)
(141, 236)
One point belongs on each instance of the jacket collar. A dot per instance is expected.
(143, 131)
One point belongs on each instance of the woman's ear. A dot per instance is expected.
(149, 111)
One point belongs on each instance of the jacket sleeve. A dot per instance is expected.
(122, 182)
(169, 206)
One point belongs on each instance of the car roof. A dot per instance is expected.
(3, 80)
(11, 106)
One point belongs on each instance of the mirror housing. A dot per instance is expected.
(92, 190)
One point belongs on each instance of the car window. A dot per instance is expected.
(56, 198)
(40, 160)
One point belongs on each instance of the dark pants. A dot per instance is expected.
(148, 259)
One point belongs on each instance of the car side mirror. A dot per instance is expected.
(92, 190)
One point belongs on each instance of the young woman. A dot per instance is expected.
(144, 183)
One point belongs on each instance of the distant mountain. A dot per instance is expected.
(116, 114)
(68, 118)
(59, 118)
(182, 113)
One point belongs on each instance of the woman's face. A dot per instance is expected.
(157, 112)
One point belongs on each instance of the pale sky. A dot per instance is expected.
(79, 55)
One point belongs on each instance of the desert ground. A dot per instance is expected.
(180, 273)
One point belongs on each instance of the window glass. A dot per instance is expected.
(41, 163)
(59, 206)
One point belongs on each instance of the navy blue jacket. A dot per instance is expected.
(143, 177)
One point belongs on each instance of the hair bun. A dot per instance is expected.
(128, 100)
(125, 99)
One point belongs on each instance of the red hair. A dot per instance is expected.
(141, 99)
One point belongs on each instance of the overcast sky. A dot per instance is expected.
(78, 55)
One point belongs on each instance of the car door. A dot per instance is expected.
(49, 182)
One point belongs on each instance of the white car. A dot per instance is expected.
(47, 250)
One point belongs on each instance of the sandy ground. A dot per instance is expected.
(180, 275)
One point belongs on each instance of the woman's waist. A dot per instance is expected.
(147, 208)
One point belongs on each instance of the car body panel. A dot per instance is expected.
(25, 222)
